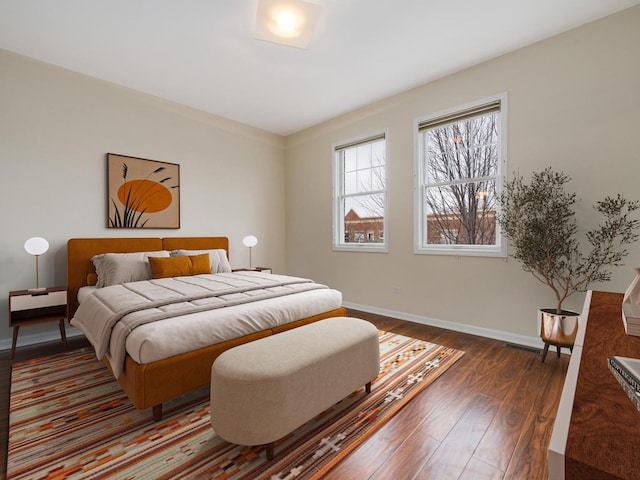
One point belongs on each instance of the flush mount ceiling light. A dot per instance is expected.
(287, 22)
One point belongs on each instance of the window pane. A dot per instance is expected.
(364, 213)
(364, 180)
(350, 160)
(377, 154)
(366, 206)
(350, 183)
(378, 178)
(363, 153)
(462, 151)
(460, 214)
(364, 168)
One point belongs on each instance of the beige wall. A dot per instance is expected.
(573, 103)
(55, 130)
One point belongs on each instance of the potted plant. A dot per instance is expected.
(539, 220)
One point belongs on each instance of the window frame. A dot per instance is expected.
(338, 234)
(500, 248)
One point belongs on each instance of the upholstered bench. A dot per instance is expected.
(264, 390)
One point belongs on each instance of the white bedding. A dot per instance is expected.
(166, 338)
(84, 292)
(113, 326)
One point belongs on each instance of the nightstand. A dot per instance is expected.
(30, 308)
(254, 269)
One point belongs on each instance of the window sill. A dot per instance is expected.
(361, 247)
(461, 252)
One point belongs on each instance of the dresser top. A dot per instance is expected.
(604, 434)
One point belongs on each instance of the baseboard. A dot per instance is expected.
(54, 335)
(534, 342)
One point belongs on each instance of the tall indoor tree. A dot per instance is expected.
(539, 219)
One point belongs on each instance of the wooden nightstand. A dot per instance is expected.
(30, 308)
(254, 269)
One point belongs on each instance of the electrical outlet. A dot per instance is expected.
(395, 289)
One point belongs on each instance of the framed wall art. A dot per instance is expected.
(142, 193)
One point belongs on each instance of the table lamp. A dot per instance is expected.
(250, 241)
(36, 246)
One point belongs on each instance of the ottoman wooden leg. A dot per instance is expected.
(157, 412)
(271, 450)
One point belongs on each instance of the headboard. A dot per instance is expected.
(81, 250)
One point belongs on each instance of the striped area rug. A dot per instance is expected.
(70, 419)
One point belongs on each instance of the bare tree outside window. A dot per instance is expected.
(459, 178)
(461, 167)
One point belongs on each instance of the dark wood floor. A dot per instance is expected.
(489, 417)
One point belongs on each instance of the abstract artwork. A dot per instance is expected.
(142, 193)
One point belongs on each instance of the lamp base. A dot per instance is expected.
(36, 291)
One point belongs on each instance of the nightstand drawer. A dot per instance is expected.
(28, 302)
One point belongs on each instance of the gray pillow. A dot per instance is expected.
(117, 268)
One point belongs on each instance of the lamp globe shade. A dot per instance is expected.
(36, 245)
(250, 241)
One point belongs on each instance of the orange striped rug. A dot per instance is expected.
(70, 419)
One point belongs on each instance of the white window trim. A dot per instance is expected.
(338, 223)
(498, 250)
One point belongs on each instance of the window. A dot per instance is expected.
(360, 194)
(458, 170)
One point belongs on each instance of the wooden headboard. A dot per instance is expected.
(81, 250)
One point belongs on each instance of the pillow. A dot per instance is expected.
(181, 266)
(199, 263)
(117, 268)
(166, 267)
(218, 257)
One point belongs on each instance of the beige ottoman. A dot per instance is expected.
(263, 390)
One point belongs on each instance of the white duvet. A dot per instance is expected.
(156, 319)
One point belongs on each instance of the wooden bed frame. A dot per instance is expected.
(149, 385)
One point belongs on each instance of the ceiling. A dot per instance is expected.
(203, 54)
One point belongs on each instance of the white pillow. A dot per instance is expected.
(218, 257)
(117, 268)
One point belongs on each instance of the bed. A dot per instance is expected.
(149, 384)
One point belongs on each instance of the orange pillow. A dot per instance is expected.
(167, 267)
(200, 264)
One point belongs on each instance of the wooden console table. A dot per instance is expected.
(597, 430)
